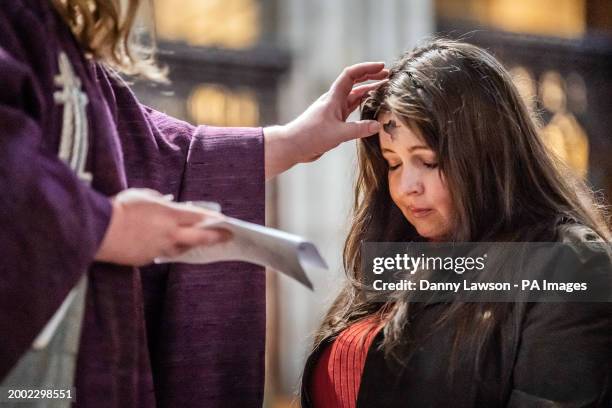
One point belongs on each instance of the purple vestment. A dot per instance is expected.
(162, 335)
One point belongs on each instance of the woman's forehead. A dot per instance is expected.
(395, 132)
(385, 116)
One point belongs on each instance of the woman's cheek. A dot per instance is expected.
(395, 198)
(392, 182)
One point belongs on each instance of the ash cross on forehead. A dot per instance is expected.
(390, 128)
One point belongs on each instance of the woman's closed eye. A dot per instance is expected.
(428, 161)
(429, 165)
(393, 164)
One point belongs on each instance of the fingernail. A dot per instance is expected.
(373, 127)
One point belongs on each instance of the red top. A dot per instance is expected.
(337, 374)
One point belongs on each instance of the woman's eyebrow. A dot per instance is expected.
(417, 147)
(410, 149)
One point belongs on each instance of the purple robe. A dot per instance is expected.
(163, 335)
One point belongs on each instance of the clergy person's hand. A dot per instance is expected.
(145, 225)
(323, 125)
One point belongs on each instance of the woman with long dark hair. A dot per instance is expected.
(459, 160)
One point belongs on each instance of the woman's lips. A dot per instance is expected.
(420, 212)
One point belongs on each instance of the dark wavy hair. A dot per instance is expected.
(505, 184)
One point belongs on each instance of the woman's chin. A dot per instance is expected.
(430, 233)
(432, 229)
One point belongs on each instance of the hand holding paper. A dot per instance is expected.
(284, 252)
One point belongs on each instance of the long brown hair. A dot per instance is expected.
(504, 183)
(104, 28)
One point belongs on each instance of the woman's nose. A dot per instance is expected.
(411, 183)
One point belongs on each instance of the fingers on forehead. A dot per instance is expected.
(359, 73)
(379, 75)
(367, 87)
(365, 68)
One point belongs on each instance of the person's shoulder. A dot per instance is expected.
(25, 25)
(20, 10)
(28, 54)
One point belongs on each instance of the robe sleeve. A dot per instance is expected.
(221, 164)
(51, 223)
(214, 315)
(191, 162)
(199, 317)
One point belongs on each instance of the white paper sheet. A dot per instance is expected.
(269, 247)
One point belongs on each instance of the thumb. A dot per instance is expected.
(359, 129)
